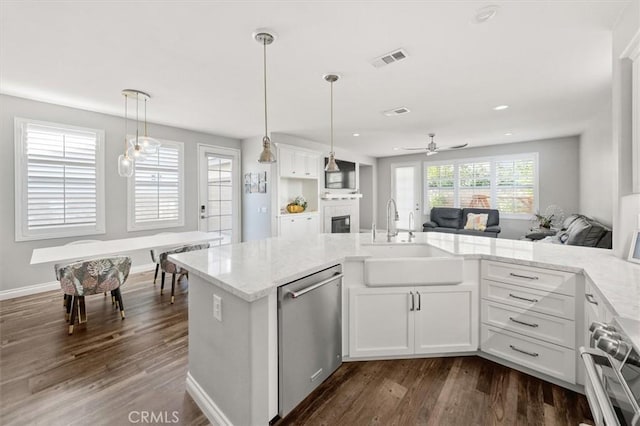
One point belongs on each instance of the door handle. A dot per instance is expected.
(419, 300)
(413, 305)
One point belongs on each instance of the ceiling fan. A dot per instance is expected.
(432, 148)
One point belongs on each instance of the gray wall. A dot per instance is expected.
(366, 202)
(596, 168)
(558, 168)
(15, 257)
(256, 224)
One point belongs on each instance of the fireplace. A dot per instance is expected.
(341, 224)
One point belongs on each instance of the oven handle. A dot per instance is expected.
(602, 398)
(296, 294)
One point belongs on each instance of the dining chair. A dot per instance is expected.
(155, 256)
(84, 278)
(57, 266)
(173, 269)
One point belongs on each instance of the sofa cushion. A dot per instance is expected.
(446, 217)
(476, 222)
(584, 232)
(493, 218)
(569, 220)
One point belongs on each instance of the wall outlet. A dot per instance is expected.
(217, 307)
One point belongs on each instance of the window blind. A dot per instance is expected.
(440, 185)
(157, 182)
(61, 187)
(515, 185)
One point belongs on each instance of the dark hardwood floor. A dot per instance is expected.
(110, 369)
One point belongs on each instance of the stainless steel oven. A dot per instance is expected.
(612, 366)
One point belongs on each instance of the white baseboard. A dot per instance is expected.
(205, 403)
(55, 285)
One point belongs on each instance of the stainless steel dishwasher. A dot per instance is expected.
(309, 335)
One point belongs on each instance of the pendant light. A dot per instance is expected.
(266, 156)
(125, 163)
(148, 144)
(331, 164)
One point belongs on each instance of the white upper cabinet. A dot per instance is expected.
(296, 163)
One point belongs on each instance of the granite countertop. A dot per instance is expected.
(254, 269)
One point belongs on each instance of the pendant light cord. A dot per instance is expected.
(137, 118)
(145, 117)
(332, 116)
(126, 103)
(264, 46)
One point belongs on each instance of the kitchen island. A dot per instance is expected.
(233, 360)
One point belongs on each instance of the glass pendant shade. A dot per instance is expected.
(266, 156)
(125, 166)
(331, 164)
(148, 144)
(135, 152)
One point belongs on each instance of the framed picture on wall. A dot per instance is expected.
(634, 250)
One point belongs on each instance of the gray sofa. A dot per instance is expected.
(452, 221)
(580, 230)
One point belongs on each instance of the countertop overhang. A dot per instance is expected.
(254, 269)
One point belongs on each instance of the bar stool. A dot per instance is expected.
(84, 278)
(173, 269)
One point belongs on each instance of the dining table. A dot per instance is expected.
(93, 249)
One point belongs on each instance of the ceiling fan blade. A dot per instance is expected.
(415, 149)
(447, 148)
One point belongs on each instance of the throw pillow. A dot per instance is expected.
(476, 222)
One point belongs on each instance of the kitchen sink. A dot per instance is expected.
(413, 271)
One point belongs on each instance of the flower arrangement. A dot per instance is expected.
(544, 220)
(298, 205)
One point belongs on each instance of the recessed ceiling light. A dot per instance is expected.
(395, 148)
(500, 107)
(485, 13)
(508, 134)
(356, 134)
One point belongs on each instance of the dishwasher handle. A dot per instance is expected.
(296, 294)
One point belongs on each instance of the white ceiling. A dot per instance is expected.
(549, 60)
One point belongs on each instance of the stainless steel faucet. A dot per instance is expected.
(391, 226)
(411, 225)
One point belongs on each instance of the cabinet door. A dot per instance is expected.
(287, 162)
(380, 322)
(311, 165)
(311, 225)
(292, 227)
(446, 319)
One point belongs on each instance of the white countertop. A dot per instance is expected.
(254, 269)
(72, 252)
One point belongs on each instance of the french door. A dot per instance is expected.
(406, 180)
(219, 192)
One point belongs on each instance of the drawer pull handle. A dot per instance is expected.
(533, 354)
(591, 299)
(523, 298)
(523, 276)
(528, 324)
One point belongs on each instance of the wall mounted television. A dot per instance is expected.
(344, 179)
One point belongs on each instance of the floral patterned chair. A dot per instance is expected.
(84, 278)
(155, 257)
(173, 269)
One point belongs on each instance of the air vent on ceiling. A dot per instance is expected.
(390, 58)
(396, 111)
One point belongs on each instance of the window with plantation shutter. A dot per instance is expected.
(156, 189)
(59, 180)
(507, 183)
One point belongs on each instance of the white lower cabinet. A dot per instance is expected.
(528, 317)
(294, 226)
(388, 321)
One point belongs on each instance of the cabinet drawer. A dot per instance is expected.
(545, 327)
(537, 278)
(535, 300)
(541, 356)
